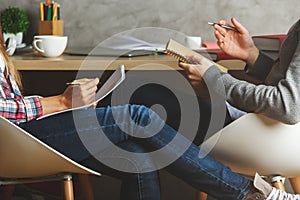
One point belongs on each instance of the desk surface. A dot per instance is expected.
(31, 61)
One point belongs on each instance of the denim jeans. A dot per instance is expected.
(64, 133)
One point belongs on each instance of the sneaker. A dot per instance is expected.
(267, 192)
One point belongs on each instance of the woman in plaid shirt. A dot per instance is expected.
(139, 177)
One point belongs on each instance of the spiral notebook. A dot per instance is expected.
(180, 52)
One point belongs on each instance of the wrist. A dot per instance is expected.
(53, 104)
(252, 56)
(63, 102)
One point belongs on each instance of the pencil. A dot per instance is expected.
(54, 17)
(48, 3)
(77, 82)
(49, 13)
(42, 11)
(223, 26)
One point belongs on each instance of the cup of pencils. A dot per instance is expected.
(50, 22)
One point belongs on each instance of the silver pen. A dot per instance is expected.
(223, 26)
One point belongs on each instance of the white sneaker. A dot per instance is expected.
(267, 192)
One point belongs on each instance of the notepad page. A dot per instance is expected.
(180, 52)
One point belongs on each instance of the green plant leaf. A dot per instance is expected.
(14, 20)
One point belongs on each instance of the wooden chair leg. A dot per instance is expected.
(68, 189)
(86, 187)
(295, 182)
(202, 196)
(8, 192)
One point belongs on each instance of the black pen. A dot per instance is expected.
(223, 26)
(77, 83)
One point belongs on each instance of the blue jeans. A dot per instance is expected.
(205, 174)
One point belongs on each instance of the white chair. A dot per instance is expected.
(256, 143)
(25, 159)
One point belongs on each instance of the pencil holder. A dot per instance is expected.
(55, 27)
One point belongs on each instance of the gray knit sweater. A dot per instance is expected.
(279, 96)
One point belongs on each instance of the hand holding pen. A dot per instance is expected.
(80, 92)
(237, 44)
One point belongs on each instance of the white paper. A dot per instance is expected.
(114, 80)
(131, 43)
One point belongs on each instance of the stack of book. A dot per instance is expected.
(215, 52)
(269, 44)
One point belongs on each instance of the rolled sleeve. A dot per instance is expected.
(33, 107)
(261, 67)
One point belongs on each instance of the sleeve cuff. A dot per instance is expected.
(33, 107)
(261, 67)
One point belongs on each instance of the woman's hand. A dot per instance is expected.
(196, 71)
(238, 44)
(81, 93)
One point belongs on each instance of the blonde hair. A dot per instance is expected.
(9, 64)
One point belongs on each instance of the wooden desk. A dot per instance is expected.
(30, 61)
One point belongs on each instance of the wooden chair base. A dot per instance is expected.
(202, 196)
(84, 182)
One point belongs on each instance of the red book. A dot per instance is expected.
(213, 49)
(269, 42)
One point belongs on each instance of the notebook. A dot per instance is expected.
(180, 52)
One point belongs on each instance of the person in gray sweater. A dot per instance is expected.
(278, 95)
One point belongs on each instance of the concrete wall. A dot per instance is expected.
(89, 22)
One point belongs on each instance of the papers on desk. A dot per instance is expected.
(114, 80)
(119, 46)
(103, 51)
(132, 43)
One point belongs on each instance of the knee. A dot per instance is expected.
(142, 115)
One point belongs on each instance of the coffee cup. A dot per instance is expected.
(193, 42)
(50, 45)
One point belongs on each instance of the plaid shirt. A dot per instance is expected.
(13, 106)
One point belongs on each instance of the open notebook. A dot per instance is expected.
(114, 80)
(180, 52)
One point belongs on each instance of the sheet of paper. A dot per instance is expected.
(131, 43)
(114, 80)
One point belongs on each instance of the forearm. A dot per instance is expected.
(53, 104)
(278, 102)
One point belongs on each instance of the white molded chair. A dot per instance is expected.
(256, 143)
(25, 159)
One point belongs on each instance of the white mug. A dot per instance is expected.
(193, 42)
(50, 45)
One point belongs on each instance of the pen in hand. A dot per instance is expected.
(223, 26)
(78, 82)
(73, 83)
